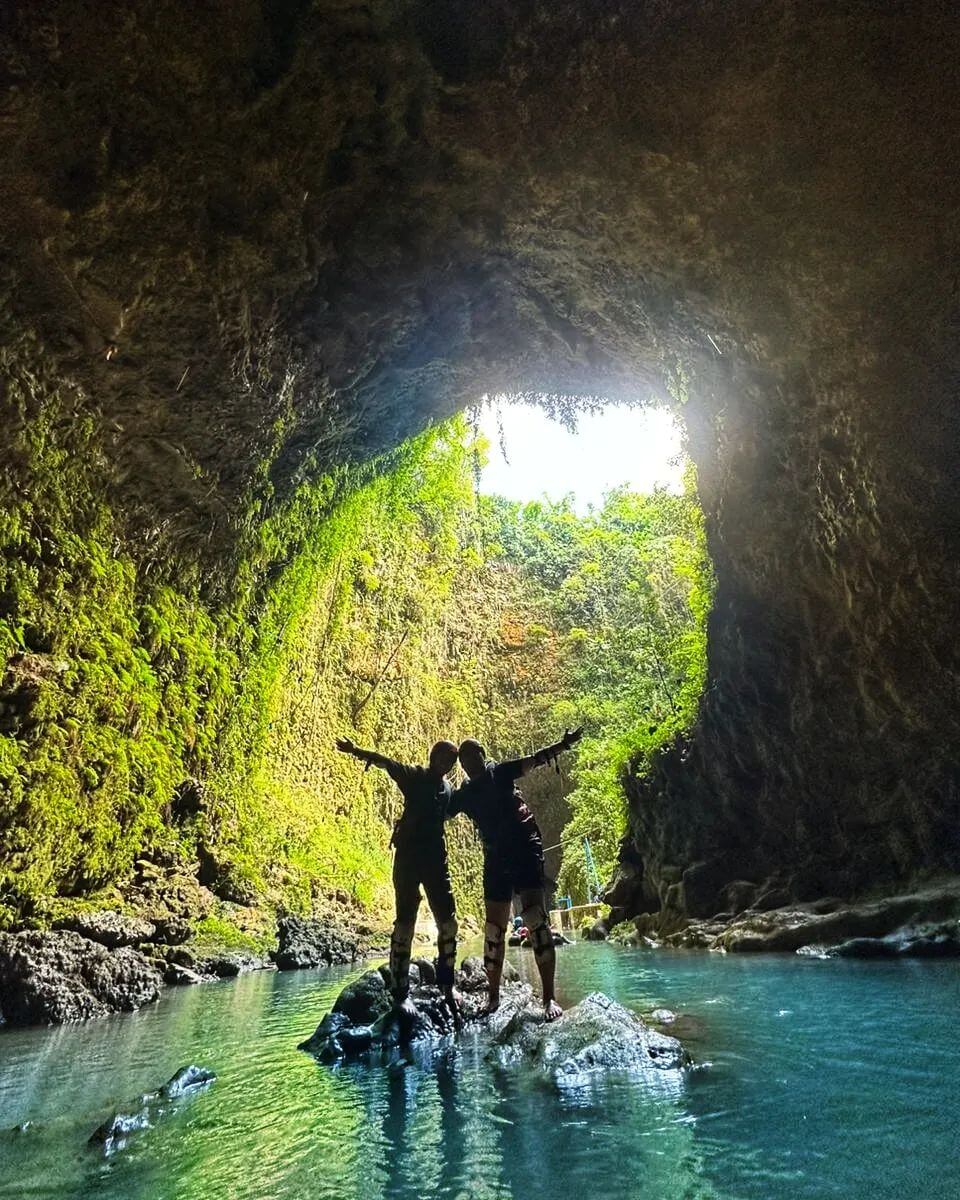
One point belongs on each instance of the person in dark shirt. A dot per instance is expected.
(512, 857)
(420, 859)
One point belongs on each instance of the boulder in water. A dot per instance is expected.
(51, 978)
(177, 976)
(187, 1082)
(305, 942)
(233, 962)
(926, 941)
(598, 1035)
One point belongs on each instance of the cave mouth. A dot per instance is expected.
(581, 598)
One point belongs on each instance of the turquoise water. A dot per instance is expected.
(817, 1079)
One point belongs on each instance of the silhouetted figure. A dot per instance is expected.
(512, 857)
(420, 859)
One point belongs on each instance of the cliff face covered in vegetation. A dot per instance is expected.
(245, 249)
(141, 722)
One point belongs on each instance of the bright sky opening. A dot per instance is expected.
(640, 447)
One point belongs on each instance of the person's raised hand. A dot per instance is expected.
(572, 736)
(346, 745)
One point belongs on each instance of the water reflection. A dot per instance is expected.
(809, 1103)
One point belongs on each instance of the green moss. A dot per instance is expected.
(388, 603)
(218, 933)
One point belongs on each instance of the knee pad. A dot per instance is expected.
(402, 934)
(494, 944)
(539, 932)
(447, 935)
(446, 950)
(400, 942)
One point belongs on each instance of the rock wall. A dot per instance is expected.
(244, 242)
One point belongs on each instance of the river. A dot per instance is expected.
(815, 1079)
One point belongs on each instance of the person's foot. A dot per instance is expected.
(404, 1007)
(552, 1010)
(453, 1000)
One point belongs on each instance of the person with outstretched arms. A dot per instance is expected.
(512, 857)
(420, 859)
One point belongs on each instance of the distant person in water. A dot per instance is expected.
(512, 858)
(420, 859)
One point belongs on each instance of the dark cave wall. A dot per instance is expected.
(252, 241)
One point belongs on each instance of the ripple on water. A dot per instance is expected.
(827, 1079)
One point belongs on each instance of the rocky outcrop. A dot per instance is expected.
(110, 929)
(308, 942)
(923, 923)
(187, 1083)
(598, 1035)
(595, 1036)
(50, 978)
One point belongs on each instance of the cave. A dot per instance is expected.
(243, 251)
(259, 259)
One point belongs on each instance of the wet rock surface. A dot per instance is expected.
(50, 978)
(597, 1035)
(306, 942)
(187, 1083)
(228, 964)
(923, 923)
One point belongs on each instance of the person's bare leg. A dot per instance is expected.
(494, 948)
(534, 915)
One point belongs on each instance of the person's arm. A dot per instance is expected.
(395, 769)
(547, 754)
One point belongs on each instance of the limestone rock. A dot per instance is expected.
(914, 923)
(594, 1037)
(110, 929)
(60, 976)
(231, 963)
(547, 228)
(598, 1035)
(597, 932)
(177, 976)
(307, 942)
(924, 941)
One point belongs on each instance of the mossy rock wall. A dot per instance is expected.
(240, 252)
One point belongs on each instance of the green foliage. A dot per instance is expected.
(389, 603)
(117, 689)
(218, 933)
(625, 592)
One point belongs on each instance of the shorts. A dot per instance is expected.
(416, 866)
(518, 868)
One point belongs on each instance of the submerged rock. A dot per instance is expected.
(50, 978)
(187, 1082)
(307, 942)
(595, 1036)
